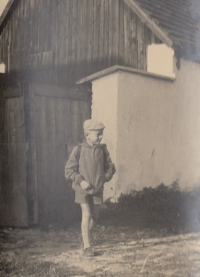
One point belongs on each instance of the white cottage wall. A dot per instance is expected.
(158, 138)
(104, 109)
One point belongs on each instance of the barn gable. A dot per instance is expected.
(67, 40)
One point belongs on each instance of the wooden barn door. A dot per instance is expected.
(57, 118)
(13, 193)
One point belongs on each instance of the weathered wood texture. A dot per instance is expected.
(2, 113)
(41, 128)
(59, 42)
(13, 196)
(56, 125)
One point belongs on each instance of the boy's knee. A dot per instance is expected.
(86, 217)
(86, 212)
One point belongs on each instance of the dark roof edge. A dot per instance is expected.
(149, 22)
(117, 68)
(6, 10)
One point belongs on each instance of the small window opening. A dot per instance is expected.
(160, 60)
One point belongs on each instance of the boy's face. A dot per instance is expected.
(95, 136)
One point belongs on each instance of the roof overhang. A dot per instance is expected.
(150, 23)
(117, 68)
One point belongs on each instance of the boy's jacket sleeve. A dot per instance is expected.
(72, 168)
(109, 167)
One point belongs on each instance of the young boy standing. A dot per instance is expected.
(89, 167)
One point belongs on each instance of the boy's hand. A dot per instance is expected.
(85, 185)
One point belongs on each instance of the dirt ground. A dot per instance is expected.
(120, 251)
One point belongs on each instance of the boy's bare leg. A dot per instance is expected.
(94, 218)
(86, 217)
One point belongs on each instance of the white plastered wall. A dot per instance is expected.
(104, 109)
(159, 129)
(152, 127)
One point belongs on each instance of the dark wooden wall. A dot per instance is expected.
(56, 117)
(13, 196)
(42, 125)
(2, 112)
(60, 41)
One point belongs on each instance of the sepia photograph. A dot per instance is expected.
(100, 138)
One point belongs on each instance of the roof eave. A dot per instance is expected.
(149, 22)
(117, 68)
(6, 10)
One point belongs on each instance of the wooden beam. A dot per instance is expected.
(12, 92)
(117, 68)
(60, 92)
(157, 31)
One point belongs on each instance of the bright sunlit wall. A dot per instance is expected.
(160, 60)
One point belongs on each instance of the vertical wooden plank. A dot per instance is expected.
(11, 151)
(80, 46)
(147, 33)
(116, 31)
(127, 14)
(141, 50)
(67, 32)
(90, 28)
(20, 159)
(67, 128)
(27, 28)
(49, 37)
(64, 33)
(84, 39)
(74, 37)
(42, 168)
(54, 40)
(96, 35)
(9, 58)
(28, 140)
(59, 54)
(34, 184)
(46, 27)
(14, 193)
(39, 153)
(60, 34)
(101, 35)
(110, 27)
(51, 164)
(133, 41)
(106, 34)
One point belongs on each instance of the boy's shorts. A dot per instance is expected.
(83, 198)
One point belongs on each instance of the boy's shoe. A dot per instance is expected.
(88, 252)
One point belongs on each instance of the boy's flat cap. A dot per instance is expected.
(92, 124)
